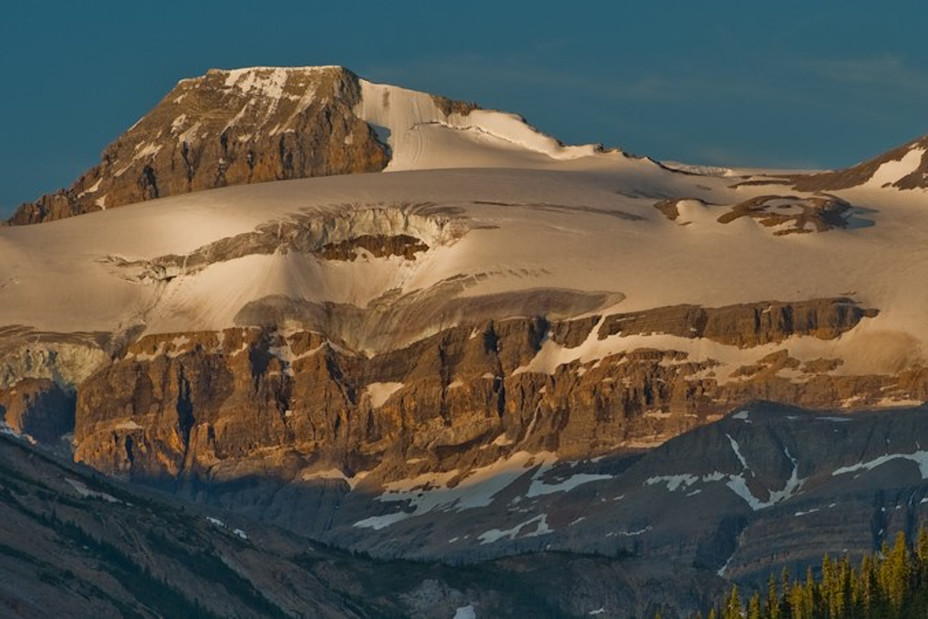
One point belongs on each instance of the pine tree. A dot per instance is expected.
(733, 605)
(797, 605)
(896, 573)
(754, 611)
(773, 599)
(889, 584)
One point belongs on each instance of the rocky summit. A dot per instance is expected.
(468, 345)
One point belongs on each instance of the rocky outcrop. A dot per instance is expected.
(792, 215)
(193, 404)
(913, 177)
(744, 325)
(38, 407)
(381, 231)
(227, 128)
(782, 214)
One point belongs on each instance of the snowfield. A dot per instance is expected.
(503, 210)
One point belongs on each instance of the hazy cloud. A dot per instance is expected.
(883, 71)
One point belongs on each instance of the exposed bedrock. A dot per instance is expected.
(40, 408)
(221, 404)
(227, 128)
(744, 325)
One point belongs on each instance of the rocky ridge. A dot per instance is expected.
(213, 405)
(905, 167)
(230, 128)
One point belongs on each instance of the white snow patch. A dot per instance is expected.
(382, 522)
(737, 450)
(892, 171)
(216, 522)
(128, 425)
(178, 122)
(541, 528)
(86, 493)
(682, 481)
(379, 393)
(721, 571)
(502, 441)
(918, 457)
(634, 533)
(808, 511)
(539, 488)
(738, 485)
(431, 492)
(465, 612)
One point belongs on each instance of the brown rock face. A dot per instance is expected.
(222, 403)
(744, 325)
(227, 128)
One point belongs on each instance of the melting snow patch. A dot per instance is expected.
(919, 457)
(633, 533)
(808, 511)
(86, 493)
(539, 487)
(216, 522)
(742, 415)
(128, 425)
(381, 392)
(737, 450)
(673, 481)
(465, 612)
(431, 492)
(892, 171)
(541, 528)
(721, 571)
(739, 486)
(382, 522)
(737, 483)
(684, 481)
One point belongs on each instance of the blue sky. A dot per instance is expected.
(810, 84)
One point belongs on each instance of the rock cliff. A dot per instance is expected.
(227, 128)
(198, 405)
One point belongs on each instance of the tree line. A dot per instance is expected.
(890, 583)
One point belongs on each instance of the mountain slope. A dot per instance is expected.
(264, 124)
(905, 167)
(76, 544)
(362, 357)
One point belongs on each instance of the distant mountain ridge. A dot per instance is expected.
(904, 167)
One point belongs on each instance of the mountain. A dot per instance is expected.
(77, 544)
(486, 349)
(265, 124)
(905, 167)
